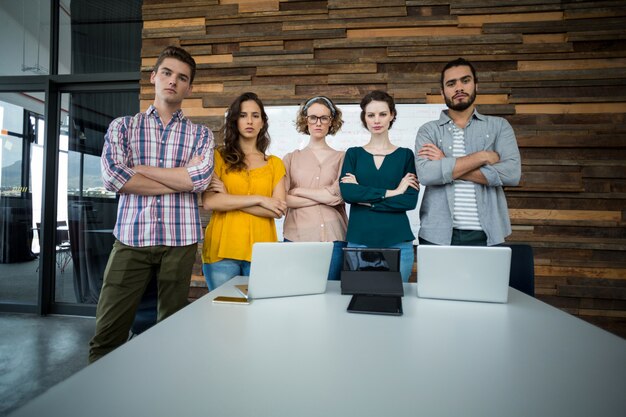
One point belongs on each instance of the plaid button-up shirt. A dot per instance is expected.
(170, 219)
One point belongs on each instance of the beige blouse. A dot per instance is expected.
(321, 222)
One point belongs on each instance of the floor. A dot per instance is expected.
(19, 282)
(39, 352)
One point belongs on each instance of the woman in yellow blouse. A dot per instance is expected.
(246, 194)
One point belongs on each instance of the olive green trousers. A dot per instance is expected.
(127, 274)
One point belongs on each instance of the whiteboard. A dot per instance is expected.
(285, 138)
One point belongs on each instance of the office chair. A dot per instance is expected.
(63, 247)
(62, 244)
(522, 275)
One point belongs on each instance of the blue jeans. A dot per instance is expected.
(217, 273)
(406, 257)
(336, 262)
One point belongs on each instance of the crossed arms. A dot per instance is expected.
(306, 197)
(401, 198)
(120, 174)
(498, 165)
(466, 167)
(298, 197)
(217, 198)
(150, 180)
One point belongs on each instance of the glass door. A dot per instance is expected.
(20, 196)
(89, 208)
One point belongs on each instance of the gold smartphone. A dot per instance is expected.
(231, 300)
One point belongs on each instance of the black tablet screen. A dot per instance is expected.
(375, 304)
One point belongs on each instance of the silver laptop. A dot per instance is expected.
(470, 273)
(282, 269)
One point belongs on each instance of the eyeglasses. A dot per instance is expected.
(323, 119)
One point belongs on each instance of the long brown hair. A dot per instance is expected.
(231, 148)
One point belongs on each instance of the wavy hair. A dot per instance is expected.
(302, 126)
(229, 133)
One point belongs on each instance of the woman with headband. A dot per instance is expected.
(246, 194)
(379, 182)
(316, 211)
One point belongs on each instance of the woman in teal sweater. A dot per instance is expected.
(380, 183)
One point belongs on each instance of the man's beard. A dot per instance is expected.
(462, 105)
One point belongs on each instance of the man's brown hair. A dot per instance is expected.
(179, 54)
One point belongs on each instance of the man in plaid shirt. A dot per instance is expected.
(158, 162)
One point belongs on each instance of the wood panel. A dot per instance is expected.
(555, 69)
(404, 32)
(587, 108)
(480, 20)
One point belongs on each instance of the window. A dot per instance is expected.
(50, 176)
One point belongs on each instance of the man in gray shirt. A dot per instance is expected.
(464, 159)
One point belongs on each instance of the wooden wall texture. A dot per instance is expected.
(555, 69)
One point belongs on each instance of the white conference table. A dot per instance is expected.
(306, 356)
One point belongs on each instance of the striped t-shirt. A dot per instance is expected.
(465, 216)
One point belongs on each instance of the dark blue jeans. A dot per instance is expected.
(463, 238)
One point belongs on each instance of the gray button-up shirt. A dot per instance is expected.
(481, 133)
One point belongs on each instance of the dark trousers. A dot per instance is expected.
(126, 277)
(463, 238)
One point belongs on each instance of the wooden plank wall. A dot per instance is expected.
(555, 69)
